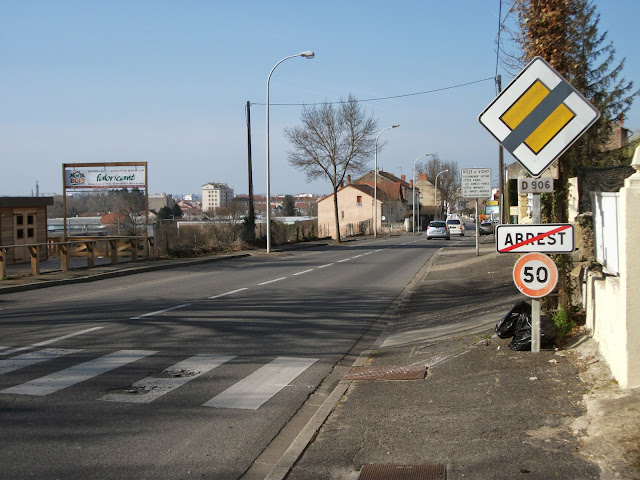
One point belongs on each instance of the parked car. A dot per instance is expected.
(438, 229)
(485, 228)
(456, 227)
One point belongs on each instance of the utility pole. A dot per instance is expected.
(501, 197)
(251, 220)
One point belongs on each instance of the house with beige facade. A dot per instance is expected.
(215, 195)
(355, 211)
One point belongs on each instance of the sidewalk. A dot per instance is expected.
(482, 411)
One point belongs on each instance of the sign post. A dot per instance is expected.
(476, 183)
(535, 275)
(537, 118)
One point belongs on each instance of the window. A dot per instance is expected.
(342, 214)
(359, 200)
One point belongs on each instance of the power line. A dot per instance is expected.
(383, 98)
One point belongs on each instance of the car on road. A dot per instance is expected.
(438, 229)
(485, 228)
(456, 227)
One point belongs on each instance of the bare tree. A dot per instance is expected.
(332, 142)
(448, 182)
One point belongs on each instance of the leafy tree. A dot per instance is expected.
(165, 213)
(331, 142)
(288, 206)
(565, 33)
(176, 210)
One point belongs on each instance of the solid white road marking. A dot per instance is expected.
(78, 373)
(254, 390)
(271, 281)
(228, 293)
(184, 371)
(47, 342)
(304, 271)
(158, 312)
(27, 359)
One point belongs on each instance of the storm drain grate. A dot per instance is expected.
(387, 373)
(402, 472)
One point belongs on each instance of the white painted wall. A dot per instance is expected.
(612, 303)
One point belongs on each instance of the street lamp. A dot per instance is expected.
(375, 182)
(414, 189)
(308, 54)
(435, 193)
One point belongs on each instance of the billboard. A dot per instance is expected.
(104, 176)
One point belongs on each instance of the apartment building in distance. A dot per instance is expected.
(215, 195)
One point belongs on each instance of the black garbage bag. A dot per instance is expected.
(522, 336)
(517, 324)
(506, 327)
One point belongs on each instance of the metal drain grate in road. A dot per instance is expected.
(387, 373)
(402, 472)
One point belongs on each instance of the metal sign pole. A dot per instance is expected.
(477, 231)
(535, 302)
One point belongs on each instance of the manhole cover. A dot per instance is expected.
(387, 373)
(402, 472)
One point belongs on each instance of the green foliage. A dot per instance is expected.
(288, 206)
(563, 323)
(176, 210)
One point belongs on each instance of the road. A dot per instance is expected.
(189, 372)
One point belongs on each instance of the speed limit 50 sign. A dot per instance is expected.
(535, 275)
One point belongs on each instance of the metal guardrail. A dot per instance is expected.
(112, 246)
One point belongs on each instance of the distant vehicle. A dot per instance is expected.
(485, 228)
(456, 227)
(437, 229)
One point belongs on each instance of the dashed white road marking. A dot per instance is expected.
(159, 312)
(343, 260)
(179, 374)
(228, 293)
(78, 373)
(254, 390)
(304, 271)
(47, 342)
(323, 266)
(27, 359)
(271, 281)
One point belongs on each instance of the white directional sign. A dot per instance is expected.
(547, 238)
(476, 182)
(538, 116)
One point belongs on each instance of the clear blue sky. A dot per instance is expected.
(167, 82)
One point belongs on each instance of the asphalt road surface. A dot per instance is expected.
(189, 372)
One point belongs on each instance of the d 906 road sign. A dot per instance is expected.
(535, 275)
(538, 116)
(535, 185)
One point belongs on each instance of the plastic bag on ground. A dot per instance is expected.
(517, 324)
(506, 327)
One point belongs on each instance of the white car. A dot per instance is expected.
(455, 226)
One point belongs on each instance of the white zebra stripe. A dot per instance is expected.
(253, 391)
(27, 359)
(155, 387)
(78, 373)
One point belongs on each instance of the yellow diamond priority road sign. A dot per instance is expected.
(538, 116)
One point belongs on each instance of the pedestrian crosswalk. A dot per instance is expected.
(249, 393)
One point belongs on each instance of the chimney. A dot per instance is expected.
(410, 183)
(403, 178)
(348, 179)
(422, 176)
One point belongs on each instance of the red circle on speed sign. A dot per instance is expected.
(535, 275)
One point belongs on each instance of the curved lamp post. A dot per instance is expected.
(308, 54)
(435, 193)
(375, 182)
(414, 189)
